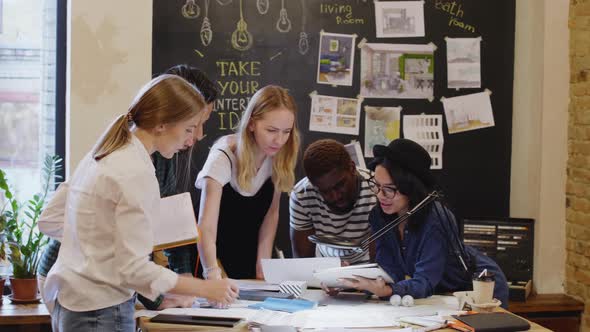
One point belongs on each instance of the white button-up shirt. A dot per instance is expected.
(103, 216)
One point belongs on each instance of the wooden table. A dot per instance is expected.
(557, 312)
(23, 317)
(146, 326)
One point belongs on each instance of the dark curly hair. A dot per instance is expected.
(323, 156)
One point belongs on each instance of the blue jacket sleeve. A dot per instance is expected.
(429, 266)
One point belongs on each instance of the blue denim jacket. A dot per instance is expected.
(423, 263)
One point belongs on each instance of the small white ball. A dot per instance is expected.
(407, 301)
(395, 300)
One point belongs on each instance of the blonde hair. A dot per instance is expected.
(265, 100)
(163, 100)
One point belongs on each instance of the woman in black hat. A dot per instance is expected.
(421, 253)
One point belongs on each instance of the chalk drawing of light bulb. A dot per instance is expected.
(284, 23)
(190, 9)
(206, 32)
(262, 6)
(241, 39)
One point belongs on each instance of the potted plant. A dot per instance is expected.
(18, 224)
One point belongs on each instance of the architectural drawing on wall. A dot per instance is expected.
(382, 125)
(463, 62)
(336, 58)
(426, 130)
(262, 6)
(468, 112)
(335, 114)
(303, 40)
(241, 39)
(190, 9)
(397, 71)
(356, 154)
(399, 19)
(206, 32)
(283, 23)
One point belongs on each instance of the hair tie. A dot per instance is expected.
(129, 117)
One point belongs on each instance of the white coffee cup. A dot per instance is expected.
(483, 287)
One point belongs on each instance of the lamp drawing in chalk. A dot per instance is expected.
(241, 39)
(284, 23)
(303, 41)
(262, 6)
(190, 9)
(206, 32)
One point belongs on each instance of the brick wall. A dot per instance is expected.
(578, 166)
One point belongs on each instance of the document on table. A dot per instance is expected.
(299, 269)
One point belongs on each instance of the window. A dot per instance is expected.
(32, 85)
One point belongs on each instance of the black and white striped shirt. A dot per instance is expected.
(309, 211)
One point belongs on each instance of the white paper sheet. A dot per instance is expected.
(463, 63)
(356, 153)
(257, 285)
(300, 269)
(176, 221)
(394, 19)
(329, 277)
(468, 112)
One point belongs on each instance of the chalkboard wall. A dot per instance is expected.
(476, 164)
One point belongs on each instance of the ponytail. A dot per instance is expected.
(114, 138)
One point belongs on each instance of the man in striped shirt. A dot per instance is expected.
(334, 199)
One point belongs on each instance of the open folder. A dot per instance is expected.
(329, 277)
(176, 224)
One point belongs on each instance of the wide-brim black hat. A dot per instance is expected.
(408, 155)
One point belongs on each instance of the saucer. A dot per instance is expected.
(466, 297)
(484, 307)
(19, 301)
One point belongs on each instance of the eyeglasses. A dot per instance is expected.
(388, 191)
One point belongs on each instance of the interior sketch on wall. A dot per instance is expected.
(463, 62)
(426, 130)
(382, 125)
(335, 115)
(336, 59)
(468, 112)
(399, 19)
(397, 71)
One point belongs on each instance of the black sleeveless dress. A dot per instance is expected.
(240, 218)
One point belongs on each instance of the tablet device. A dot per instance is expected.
(196, 320)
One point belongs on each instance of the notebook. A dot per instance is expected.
(256, 295)
(329, 277)
(196, 320)
(495, 322)
(176, 225)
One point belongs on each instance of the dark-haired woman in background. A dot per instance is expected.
(419, 254)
